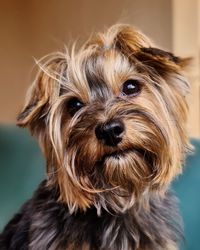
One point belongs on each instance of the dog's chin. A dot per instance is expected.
(118, 154)
(128, 170)
(123, 156)
(120, 161)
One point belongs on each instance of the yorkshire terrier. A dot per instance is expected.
(110, 118)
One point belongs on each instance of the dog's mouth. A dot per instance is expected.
(120, 154)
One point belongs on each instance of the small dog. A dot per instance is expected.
(111, 121)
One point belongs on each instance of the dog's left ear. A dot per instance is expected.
(136, 45)
(161, 61)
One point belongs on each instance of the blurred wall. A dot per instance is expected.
(34, 28)
(186, 42)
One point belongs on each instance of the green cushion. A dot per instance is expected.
(22, 168)
(187, 188)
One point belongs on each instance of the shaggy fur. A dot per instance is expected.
(111, 121)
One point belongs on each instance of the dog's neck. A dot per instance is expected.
(157, 228)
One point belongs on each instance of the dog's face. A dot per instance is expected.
(110, 119)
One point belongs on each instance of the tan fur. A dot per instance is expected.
(69, 143)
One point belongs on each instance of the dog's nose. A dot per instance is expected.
(110, 133)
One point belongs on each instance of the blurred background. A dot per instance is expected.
(31, 29)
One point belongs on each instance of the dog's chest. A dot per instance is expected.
(52, 227)
(82, 231)
(91, 232)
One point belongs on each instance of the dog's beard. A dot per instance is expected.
(113, 178)
(127, 169)
(128, 175)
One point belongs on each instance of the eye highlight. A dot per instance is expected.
(74, 105)
(131, 87)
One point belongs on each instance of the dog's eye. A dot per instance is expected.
(131, 87)
(74, 105)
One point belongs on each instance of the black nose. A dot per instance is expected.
(110, 133)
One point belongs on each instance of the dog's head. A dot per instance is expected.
(110, 119)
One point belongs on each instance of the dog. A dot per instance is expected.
(110, 118)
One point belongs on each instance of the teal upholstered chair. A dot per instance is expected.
(187, 188)
(22, 168)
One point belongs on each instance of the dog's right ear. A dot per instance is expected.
(45, 89)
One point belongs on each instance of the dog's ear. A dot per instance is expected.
(138, 48)
(166, 65)
(162, 54)
(43, 92)
(160, 60)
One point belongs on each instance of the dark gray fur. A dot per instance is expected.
(44, 223)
